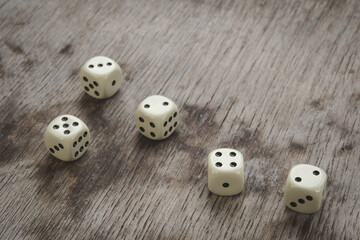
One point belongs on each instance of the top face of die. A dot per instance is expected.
(157, 105)
(101, 77)
(66, 126)
(100, 65)
(307, 176)
(226, 159)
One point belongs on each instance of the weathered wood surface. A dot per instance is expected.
(277, 80)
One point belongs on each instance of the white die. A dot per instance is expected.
(225, 172)
(67, 137)
(157, 117)
(101, 77)
(305, 188)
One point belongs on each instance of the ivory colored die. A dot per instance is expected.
(101, 77)
(225, 172)
(67, 137)
(305, 188)
(157, 117)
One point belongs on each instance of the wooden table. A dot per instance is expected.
(277, 80)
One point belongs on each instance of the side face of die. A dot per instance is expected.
(225, 172)
(157, 117)
(67, 137)
(101, 77)
(305, 188)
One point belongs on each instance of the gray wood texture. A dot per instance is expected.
(277, 80)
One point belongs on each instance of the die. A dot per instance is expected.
(225, 172)
(157, 117)
(101, 77)
(67, 137)
(305, 188)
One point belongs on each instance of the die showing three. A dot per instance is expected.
(305, 188)
(101, 77)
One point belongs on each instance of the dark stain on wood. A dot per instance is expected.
(93, 109)
(305, 226)
(253, 144)
(43, 227)
(343, 130)
(199, 118)
(127, 72)
(331, 123)
(227, 5)
(128, 77)
(14, 47)
(74, 72)
(24, 126)
(80, 185)
(355, 98)
(67, 50)
(2, 70)
(347, 147)
(9, 147)
(28, 65)
(297, 147)
(317, 104)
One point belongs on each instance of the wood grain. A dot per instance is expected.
(277, 80)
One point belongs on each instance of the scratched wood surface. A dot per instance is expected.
(277, 80)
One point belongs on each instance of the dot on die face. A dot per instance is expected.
(101, 77)
(225, 172)
(305, 188)
(67, 137)
(157, 117)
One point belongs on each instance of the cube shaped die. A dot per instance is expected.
(305, 188)
(101, 77)
(67, 137)
(157, 117)
(225, 172)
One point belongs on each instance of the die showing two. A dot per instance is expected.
(304, 188)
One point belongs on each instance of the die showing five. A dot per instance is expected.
(67, 137)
